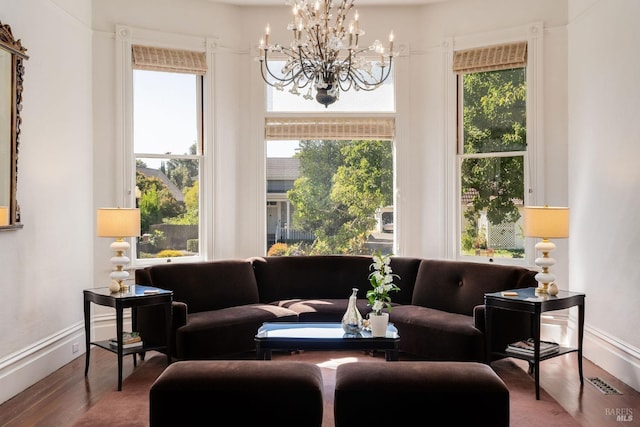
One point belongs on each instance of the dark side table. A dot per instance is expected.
(135, 296)
(528, 301)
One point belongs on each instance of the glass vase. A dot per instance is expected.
(352, 319)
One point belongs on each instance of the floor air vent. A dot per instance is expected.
(601, 385)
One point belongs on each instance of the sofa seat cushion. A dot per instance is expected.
(322, 310)
(437, 335)
(215, 333)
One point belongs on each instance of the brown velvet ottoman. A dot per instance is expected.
(208, 392)
(410, 393)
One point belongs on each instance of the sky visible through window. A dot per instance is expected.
(282, 148)
(165, 113)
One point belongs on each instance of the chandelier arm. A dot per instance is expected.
(364, 84)
(327, 6)
(264, 66)
(317, 44)
(282, 81)
(360, 80)
(307, 65)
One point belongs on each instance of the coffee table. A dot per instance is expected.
(321, 336)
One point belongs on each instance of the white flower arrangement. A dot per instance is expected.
(381, 279)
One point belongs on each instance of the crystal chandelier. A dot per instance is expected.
(324, 53)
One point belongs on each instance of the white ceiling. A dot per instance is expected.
(360, 2)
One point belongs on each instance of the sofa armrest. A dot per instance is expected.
(478, 317)
(150, 321)
(180, 311)
(506, 326)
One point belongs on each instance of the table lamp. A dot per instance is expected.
(118, 223)
(4, 215)
(545, 222)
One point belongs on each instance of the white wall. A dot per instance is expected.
(46, 264)
(69, 159)
(604, 147)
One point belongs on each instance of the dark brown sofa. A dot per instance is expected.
(439, 313)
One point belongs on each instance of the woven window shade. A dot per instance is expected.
(168, 60)
(490, 58)
(329, 128)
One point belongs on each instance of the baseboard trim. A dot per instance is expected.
(22, 369)
(614, 356)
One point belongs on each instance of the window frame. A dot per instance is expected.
(125, 169)
(533, 155)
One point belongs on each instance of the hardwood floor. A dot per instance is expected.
(587, 404)
(65, 395)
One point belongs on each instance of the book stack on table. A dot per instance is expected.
(129, 340)
(526, 348)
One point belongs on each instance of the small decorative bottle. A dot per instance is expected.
(352, 319)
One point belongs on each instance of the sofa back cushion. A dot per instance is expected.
(459, 286)
(407, 269)
(314, 276)
(208, 285)
(326, 276)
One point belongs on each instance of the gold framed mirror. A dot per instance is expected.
(12, 57)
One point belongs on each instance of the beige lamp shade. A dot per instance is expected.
(546, 222)
(4, 215)
(118, 222)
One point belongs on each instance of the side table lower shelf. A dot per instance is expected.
(130, 350)
(560, 352)
(531, 359)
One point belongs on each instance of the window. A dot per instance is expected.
(168, 150)
(492, 149)
(329, 185)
